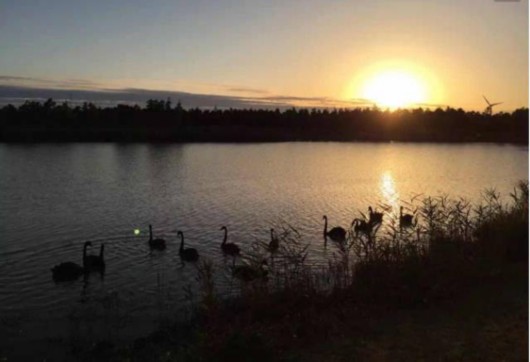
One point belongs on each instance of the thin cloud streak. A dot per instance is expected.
(246, 90)
(18, 89)
(132, 96)
(79, 91)
(35, 82)
(108, 97)
(431, 105)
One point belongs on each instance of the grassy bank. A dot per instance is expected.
(452, 286)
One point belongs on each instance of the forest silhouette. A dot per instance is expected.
(160, 121)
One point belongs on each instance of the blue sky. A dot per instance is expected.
(305, 49)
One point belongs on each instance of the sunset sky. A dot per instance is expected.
(314, 53)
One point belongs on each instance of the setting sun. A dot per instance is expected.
(394, 89)
(145, 126)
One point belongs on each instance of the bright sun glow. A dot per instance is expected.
(394, 89)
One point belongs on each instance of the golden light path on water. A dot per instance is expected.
(388, 190)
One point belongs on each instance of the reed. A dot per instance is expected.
(453, 246)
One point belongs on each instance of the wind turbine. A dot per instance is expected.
(489, 109)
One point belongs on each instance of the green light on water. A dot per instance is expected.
(136, 231)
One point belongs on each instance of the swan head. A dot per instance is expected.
(180, 233)
(370, 209)
(88, 243)
(223, 228)
(324, 217)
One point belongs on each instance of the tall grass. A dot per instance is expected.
(452, 245)
(451, 240)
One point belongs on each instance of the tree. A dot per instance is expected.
(154, 105)
(167, 105)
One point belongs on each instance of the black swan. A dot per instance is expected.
(158, 244)
(274, 244)
(361, 226)
(187, 254)
(405, 220)
(335, 234)
(229, 248)
(68, 271)
(375, 217)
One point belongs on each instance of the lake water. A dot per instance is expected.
(55, 197)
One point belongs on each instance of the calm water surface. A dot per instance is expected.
(54, 197)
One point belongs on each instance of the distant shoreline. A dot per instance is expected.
(160, 122)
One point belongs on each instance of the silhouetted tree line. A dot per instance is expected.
(160, 121)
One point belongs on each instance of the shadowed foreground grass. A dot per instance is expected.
(488, 322)
(452, 287)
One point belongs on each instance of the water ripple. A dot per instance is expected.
(56, 197)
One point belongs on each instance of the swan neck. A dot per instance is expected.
(84, 250)
(101, 251)
(325, 227)
(181, 242)
(150, 233)
(226, 236)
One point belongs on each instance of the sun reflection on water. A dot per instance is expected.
(388, 190)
